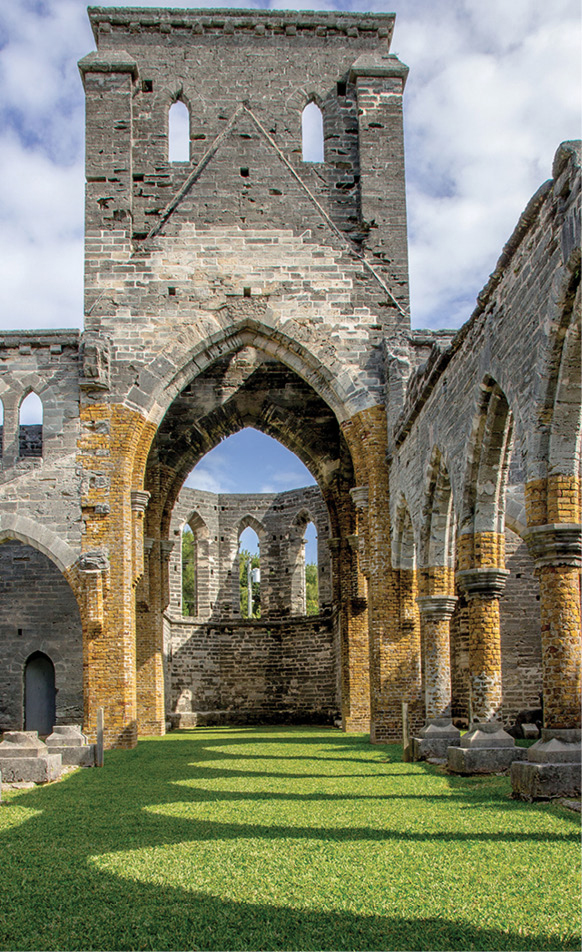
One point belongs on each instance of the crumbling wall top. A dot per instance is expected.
(290, 23)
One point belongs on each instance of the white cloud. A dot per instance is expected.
(213, 474)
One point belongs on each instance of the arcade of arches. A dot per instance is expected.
(248, 287)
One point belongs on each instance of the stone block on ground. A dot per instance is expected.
(73, 746)
(24, 757)
(435, 738)
(485, 748)
(553, 767)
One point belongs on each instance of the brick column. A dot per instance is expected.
(483, 588)
(139, 501)
(435, 618)
(354, 648)
(409, 631)
(556, 550)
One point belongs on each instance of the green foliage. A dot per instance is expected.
(272, 838)
(311, 589)
(189, 606)
(243, 557)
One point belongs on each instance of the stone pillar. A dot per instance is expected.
(409, 631)
(354, 647)
(486, 747)
(435, 616)
(557, 553)
(151, 719)
(483, 588)
(139, 501)
(438, 734)
(553, 766)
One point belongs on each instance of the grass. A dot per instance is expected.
(267, 838)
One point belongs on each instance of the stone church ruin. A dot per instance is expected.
(243, 285)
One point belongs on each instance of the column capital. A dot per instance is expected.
(139, 500)
(353, 542)
(555, 544)
(359, 496)
(94, 562)
(166, 548)
(439, 607)
(334, 544)
(484, 582)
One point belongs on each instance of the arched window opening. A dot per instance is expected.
(312, 133)
(189, 572)
(30, 429)
(194, 553)
(249, 574)
(178, 133)
(39, 694)
(311, 570)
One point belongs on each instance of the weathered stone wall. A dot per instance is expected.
(253, 672)
(43, 487)
(521, 649)
(469, 410)
(38, 612)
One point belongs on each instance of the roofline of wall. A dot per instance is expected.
(290, 22)
(439, 359)
(40, 338)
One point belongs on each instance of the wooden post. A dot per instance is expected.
(99, 745)
(406, 751)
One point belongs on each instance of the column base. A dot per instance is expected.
(553, 767)
(69, 741)
(24, 759)
(356, 724)
(434, 739)
(485, 748)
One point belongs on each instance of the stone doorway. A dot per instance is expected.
(39, 694)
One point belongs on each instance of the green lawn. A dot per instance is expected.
(271, 838)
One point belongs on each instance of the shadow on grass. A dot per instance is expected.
(54, 897)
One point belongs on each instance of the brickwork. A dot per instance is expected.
(560, 606)
(485, 658)
(254, 672)
(246, 287)
(519, 607)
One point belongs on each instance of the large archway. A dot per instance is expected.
(241, 389)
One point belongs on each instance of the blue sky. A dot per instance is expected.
(494, 87)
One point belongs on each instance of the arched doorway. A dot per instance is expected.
(39, 694)
(247, 388)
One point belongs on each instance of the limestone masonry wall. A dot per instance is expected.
(253, 672)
